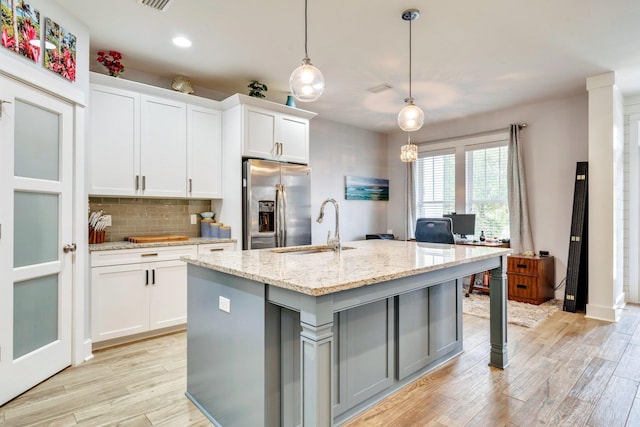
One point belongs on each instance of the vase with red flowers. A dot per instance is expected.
(111, 60)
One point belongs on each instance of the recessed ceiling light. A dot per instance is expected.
(181, 41)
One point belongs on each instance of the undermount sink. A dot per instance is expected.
(302, 250)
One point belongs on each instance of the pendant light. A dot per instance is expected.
(306, 81)
(409, 151)
(411, 117)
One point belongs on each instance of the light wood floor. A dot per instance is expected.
(568, 371)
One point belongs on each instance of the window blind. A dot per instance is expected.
(486, 191)
(435, 184)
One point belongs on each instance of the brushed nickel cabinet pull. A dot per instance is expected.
(190, 185)
(137, 182)
(216, 249)
(144, 182)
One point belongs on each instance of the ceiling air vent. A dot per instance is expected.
(160, 5)
(380, 88)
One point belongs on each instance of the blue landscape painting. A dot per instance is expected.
(359, 188)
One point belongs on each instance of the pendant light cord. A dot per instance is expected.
(410, 97)
(305, 30)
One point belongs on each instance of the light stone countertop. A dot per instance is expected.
(110, 246)
(320, 273)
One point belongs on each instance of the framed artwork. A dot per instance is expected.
(21, 28)
(360, 188)
(60, 50)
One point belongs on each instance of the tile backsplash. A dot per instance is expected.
(141, 216)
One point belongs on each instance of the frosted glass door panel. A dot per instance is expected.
(35, 314)
(35, 228)
(37, 149)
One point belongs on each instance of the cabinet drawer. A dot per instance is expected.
(215, 247)
(131, 256)
(525, 287)
(522, 265)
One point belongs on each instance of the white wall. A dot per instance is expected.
(337, 150)
(555, 139)
(631, 198)
(35, 74)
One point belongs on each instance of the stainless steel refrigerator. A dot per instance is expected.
(276, 207)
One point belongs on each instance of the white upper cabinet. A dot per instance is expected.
(115, 141)
(153, 142)
(274, 135)
(267, 130)
(163, 147)
(204, 151)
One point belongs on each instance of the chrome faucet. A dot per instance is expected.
(335, 242)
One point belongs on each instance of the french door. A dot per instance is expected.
(36, 254)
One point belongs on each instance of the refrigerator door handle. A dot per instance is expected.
(281, 211)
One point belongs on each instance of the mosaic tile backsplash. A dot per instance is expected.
(140, 217)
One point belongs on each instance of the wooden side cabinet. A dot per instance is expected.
(530, 278)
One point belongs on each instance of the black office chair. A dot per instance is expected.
(434, 230)
(383, 236)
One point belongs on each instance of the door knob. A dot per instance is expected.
(69, 248)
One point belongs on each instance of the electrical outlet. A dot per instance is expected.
(224, 304)
(194, 219)
(107, 220)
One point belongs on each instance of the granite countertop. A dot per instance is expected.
(320, 273)
(109, 246)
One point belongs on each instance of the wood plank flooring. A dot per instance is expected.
(569, 371)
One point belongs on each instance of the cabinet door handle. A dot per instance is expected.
(280, 148)
(521, 286)
(521, 265)
(146, 277)
(137, 182)
(216, 249)
(190, 185)
(144, 182)
(153, 277)
(150, 254)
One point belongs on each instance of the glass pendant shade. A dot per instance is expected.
(306, 82)
(409, 152)
(411, 117)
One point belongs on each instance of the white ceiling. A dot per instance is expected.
(469, 56)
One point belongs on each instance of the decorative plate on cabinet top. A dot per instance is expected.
(182, 84)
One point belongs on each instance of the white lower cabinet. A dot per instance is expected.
(141, 291)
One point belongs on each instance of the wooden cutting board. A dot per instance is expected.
(155, 239)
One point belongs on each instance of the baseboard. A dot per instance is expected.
(88, 354)
(138, 337)
(600, 312)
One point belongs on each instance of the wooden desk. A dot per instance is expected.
(484, 287)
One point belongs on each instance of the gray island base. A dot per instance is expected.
(312, 338)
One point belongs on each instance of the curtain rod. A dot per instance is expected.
(469, 135)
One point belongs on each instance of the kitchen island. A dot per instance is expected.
(306, 336)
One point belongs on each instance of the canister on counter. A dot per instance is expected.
(205, 227)
(225, 232)
(215, 229)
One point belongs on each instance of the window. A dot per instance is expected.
(465, 175)
(435, 184)
(486, 189)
